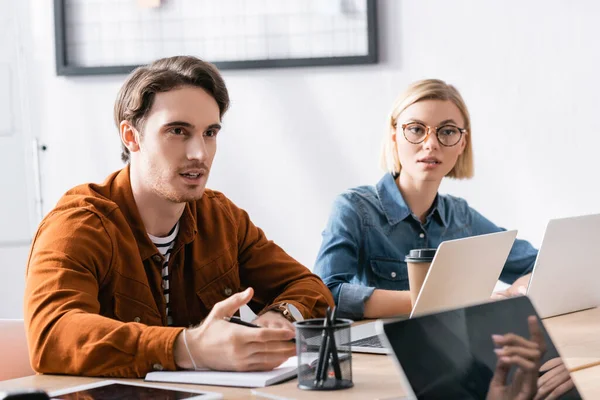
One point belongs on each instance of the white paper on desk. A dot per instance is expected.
(284, 372)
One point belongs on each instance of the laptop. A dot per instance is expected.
(463, 272)
(450, 355)
(566, 275)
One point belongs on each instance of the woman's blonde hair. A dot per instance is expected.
(428, 89)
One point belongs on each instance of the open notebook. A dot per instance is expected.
(285, 371)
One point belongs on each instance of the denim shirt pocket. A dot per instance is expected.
(389, 273)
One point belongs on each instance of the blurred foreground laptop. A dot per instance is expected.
(566, 275)
(463, 272)
(450, 355)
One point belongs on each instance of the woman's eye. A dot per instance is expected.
(449, 131)
(417, 130)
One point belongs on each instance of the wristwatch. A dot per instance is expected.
(289, 311)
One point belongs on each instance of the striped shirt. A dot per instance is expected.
(164, 246)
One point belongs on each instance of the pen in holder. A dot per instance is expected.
(324, 356)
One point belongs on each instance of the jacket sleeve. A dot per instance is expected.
(275, 276)
(65, 331)
(521, 258)
(338, 259)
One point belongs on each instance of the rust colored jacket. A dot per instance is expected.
(93, 298)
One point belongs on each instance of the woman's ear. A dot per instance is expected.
(129, 136)
(463, 143)
(394, 131)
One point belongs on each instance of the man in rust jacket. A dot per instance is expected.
(121, 274)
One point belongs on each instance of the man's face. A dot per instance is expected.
(178, 144)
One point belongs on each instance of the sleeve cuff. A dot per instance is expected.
(351, 300)
(156, 348)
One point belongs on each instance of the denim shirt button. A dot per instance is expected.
(421, 235)
(393, 274)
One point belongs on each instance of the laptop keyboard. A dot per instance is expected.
(371, 341)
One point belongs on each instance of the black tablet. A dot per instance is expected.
(450, 355)
(132, 391)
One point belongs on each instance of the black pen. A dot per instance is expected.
(335, 361)
(237, 320)
(324, 344)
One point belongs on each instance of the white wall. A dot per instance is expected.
(294, 138)
(18, 214)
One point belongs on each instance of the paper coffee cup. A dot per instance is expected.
(417, 263)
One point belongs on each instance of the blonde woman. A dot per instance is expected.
(372, 228)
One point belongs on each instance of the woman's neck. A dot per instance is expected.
(418, 195)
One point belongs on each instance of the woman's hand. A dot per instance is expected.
(518, 288)
(555, 381)
(524, 354)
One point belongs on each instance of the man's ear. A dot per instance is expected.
(130, 137)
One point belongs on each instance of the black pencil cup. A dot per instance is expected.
(324, 356)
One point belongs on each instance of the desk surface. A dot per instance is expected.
(577, 337)
(375, 377)
(588, 382)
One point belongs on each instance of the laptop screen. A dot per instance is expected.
(451, 354)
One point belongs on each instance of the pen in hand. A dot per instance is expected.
(239, 321)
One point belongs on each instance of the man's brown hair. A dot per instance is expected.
(137, 93)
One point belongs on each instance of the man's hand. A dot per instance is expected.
(274, 319)
(556, 380)
(220, 345)
(518, 288)
(526, 355)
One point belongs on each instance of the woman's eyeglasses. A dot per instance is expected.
(447, 135)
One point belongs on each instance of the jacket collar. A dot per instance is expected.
(395, 208)
(122, 194)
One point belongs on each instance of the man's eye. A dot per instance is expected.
(211, 133)
(178, 131)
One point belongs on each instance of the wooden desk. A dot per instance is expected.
(588, 382)
(577, 337)
(375, 377)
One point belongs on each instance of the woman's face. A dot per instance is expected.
(429, 160)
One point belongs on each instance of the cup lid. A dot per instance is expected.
(421, 255)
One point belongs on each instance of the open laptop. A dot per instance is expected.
(463, 272)
(566, 275)
(450, 355)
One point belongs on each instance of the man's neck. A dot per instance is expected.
(418, 195)
(158, 214)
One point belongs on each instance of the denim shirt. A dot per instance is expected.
(371, 230)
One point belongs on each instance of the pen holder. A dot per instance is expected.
(324, 356)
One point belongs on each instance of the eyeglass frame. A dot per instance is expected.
(463, 131)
